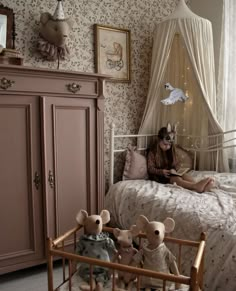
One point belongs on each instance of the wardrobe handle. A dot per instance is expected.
(5, 83)
(73, 87)
(51, 179)
(36, 180)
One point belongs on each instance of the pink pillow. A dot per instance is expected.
(135, 165)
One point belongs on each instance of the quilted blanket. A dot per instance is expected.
(212, 212)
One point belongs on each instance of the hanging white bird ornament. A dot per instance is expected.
(176, 94)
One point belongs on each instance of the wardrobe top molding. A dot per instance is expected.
(49, 81)
(34, 70)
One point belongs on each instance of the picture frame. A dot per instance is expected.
(112, 52)
(7, 27)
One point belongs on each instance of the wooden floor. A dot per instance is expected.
(32, 279)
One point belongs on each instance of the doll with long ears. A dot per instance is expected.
(154, 255)
(94, 244)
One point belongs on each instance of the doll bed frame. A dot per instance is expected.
(56, 249)
(216, 143)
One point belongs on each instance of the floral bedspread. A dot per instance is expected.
(212, 212)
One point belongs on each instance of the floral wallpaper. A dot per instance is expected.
(124, 102)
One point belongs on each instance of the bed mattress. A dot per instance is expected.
(212, 212)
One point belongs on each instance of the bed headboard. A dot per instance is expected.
(216, 144)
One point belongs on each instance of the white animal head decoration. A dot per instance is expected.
(176, 94)
(168, 87)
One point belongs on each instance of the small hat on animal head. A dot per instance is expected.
(59, 13)
(167, 134)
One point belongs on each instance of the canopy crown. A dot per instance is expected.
(182, 11)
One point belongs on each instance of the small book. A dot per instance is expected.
(180, 171)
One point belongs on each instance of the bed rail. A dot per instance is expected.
(207, 144)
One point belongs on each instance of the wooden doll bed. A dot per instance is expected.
(211, 212)
(56, 250)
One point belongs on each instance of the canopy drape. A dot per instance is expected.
(197, 41)
(227, 75)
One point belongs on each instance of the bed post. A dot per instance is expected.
(112, 154)
(195, 160)
(217, 154)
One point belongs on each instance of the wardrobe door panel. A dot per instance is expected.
(69, 142)
(21, 201)
(51, 157)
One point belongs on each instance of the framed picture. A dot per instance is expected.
(112, 52)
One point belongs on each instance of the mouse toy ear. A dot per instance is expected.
(169, 224)
(105, 215)
(81, 217)
(134, 230)
(116, 232)
(141, 223)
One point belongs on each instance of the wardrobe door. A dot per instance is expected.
(21, 209)
(69, 155)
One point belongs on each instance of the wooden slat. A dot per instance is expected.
(194, 281)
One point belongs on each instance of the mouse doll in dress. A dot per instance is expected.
(94, 244)
(154, 255)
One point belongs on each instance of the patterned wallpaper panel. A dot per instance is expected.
(124, 102)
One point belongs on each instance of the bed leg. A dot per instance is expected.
(50, 264)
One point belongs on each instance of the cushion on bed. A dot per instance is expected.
(185, 157)
(135, 165)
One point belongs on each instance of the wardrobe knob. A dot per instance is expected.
(36, 180)
(5, 83)
(51, 179)
(73, 87)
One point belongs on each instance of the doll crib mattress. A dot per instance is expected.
(212, 212)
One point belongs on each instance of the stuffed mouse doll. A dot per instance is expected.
(155, 255)
(94, 244)
(125, 253)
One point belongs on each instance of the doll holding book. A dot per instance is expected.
(163, 164)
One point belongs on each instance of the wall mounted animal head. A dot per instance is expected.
(54, 31)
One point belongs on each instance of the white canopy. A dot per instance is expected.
(193, 53)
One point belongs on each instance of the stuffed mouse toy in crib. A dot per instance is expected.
(154, 255)
(94, 244)
(125, 253)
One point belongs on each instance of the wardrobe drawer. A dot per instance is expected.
(48, 85)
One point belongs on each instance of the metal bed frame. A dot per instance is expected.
(221, 143)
